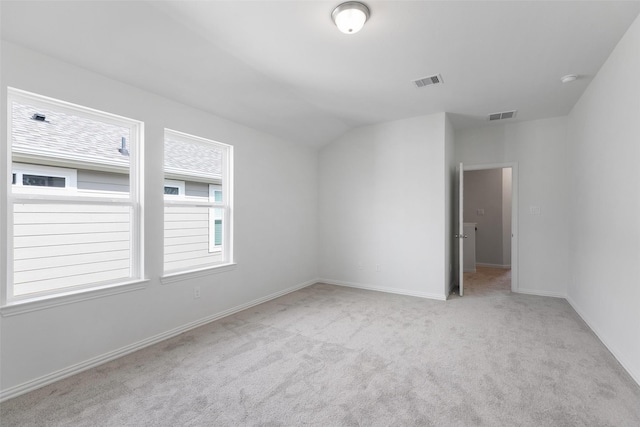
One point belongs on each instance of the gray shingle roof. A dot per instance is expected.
(193, 158)
(64, 135)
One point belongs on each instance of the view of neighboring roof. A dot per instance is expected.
(51, 134)
(55, 134)
(192, 158)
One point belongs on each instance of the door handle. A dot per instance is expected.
(458, 236)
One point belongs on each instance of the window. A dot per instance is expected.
(173, 188)
(198, 225)
(28, 175)
(215, 218)
(74, 199)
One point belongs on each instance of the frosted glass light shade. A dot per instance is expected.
(350, 17)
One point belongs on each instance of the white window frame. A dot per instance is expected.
(180, 185)
(226, 205)
(133, 200)
(20, 169)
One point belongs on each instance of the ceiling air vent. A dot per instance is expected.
(426, 81)
(503, 115)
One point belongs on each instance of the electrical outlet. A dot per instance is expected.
(360, 266)
(378, 268)
(196, 292)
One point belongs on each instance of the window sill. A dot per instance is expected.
(41, 303)
(192, 274)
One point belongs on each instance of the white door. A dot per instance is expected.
(459, 236)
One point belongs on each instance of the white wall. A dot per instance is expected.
(449, 183)
(539, 148)
(382, 207)
(604, 141)
(507, 184)
(275, 228)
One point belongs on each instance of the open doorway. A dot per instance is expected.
(489, 214)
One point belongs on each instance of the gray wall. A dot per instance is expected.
(487, 201)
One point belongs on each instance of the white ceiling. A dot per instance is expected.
(282, 67)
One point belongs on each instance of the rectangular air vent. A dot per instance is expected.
(503, 115)
(426, 81)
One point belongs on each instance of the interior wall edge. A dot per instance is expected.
(539, 293)
(384, 289)
(601, 336)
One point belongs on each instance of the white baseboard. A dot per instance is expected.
(503, 266)
(112, 355)
(625, 364)
(384, 289)
(540, 293)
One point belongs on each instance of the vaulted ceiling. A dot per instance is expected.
(282, 67)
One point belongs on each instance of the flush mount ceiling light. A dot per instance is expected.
(568, 78)
(350, 17)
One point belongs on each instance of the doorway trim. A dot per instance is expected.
(514, 212)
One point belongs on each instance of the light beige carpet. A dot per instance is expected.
(487, 281)
(332, 356)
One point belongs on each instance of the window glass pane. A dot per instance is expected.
(75, 221)
(195, 231)
(218, 233)
(186, 238)
(43, 181)
(99, 151)
(201, 161)
(172, 190)
(59, 246)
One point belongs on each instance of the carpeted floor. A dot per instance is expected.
(332, 356)
(487, 281)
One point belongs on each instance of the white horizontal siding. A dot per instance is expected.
(38, 252)
(198, 246)
(62, 272)
(71, 218)
(60, 228)
(64, 208)
(191, 263)
(68, 239)
(187, 225)
(71, 281)
(192, 256)
(185, 216)
(186, 239)
(61, 246)
(49, 263)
